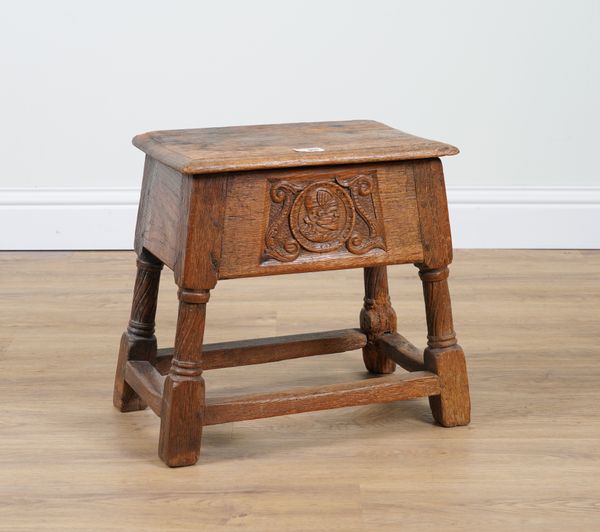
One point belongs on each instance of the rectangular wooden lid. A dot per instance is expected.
(232, 149)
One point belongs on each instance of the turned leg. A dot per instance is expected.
(183, 396)
(376, 318)
(138, 342)
(443, 355)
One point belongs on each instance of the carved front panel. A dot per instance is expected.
(327, 214)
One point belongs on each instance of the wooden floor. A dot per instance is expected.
(529, 322)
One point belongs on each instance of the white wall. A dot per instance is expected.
(514, 84)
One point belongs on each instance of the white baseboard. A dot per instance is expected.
(481, 217)
(525, 217)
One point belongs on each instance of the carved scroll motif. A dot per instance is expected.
(280, 242)
(364, 193)
(322, 217)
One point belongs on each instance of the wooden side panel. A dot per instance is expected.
(376, 220)
(162, 211)
(180, 221)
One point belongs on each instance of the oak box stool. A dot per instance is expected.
(235, 202)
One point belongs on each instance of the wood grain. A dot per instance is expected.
(443, 355)
(179, 221)
(432, 205)
(272, 349)
(138, 341)
(162, 213)
(452, 407)
(397, 348)
(438, 308)
(247, 219)
(182, 409)
(244, 224)
(232, 149)
(147, 382)
(530, 459)
(377, 317)
(281, 214)
(201, 237)
(368, 391)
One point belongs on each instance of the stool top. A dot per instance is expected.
(231, 149)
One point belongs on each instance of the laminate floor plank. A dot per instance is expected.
(529, 322)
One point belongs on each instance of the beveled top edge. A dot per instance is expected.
(246, 148)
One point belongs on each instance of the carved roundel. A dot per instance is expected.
(322, 217)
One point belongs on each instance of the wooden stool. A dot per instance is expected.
(264, 200)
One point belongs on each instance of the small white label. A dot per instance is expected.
(308, 150)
